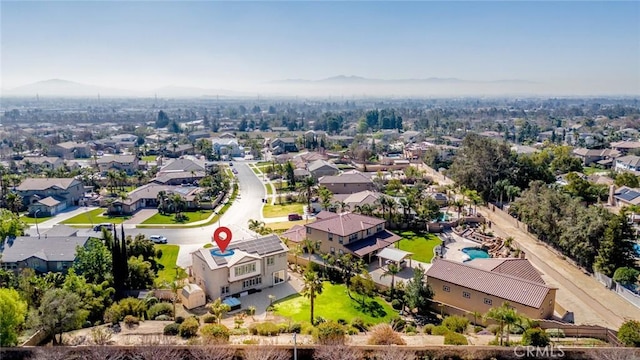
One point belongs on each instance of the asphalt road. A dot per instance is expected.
(248, 205)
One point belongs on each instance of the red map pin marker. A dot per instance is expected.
(220, 241)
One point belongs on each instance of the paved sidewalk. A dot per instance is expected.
(140, 216)
(65, 215)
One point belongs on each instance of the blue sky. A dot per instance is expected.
(209, 44)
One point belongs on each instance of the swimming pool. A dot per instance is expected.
(636, 247)
(475, 253)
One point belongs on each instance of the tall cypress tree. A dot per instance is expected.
(124, 258)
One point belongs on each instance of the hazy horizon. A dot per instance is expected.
(560, 48)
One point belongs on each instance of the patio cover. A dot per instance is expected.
(392, 254)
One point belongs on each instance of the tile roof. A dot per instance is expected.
(344, 224)
(296, 234)
(182, 165)
(520, 268)
(505, 286)
(254, 248)
(49, 201)
(351, 177)
(117, 158)
(372, 243)
(48, 248)
(61, 230)
(317, 164)
(46, 183)
(631, 160)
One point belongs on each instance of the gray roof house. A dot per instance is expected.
(47, 253)
(246, 266)
(320, 168)
(50, 195)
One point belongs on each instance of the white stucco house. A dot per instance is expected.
(254, 264)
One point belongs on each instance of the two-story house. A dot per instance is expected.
(246, 266)
(38, 164)
(630, 163)
(44, 254)
(320, 168)
(50, 195)
(71, 150)
(359, 235)
(283, 145)
(347, 183)
(128, 163)
(226, 146)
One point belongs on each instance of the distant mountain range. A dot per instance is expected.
(343, 79)
(65, 88)
(334, 86)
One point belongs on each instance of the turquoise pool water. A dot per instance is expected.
(476, 253)
(445, 217)
(637, 248)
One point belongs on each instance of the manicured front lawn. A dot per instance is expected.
(167, 272)
(31, 221)
(269, 188)
(169, 218)
(286, 225)
(149, 158)
(95, 217)
(334, 304)
(421, 245)
(282, 210)
(592, 170)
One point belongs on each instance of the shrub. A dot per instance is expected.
(330, 332)
(410, 329)
(159, 253)
(456, 323)
(352, 331)
(307, 328)
(535, 337)
(556, 333)
(162, 318)
(398, 324)
(241, 331)
(189, 328)
(626, 276)
(494, 329)
(171, 329)
(629, 333)
(208, 245)
(162, 308)
(320, 320)
(264, 329)
(251, 341)
(454, 338)
(283, 328)
(383, 334)
(396, 304)
(113, 314)
(342, 321)
(295, 328)
(179, 319)
(131, 320)
(359, 324)
(151, 300)
(428, 329)
(439, 330)
(215, 334)
(133, 306)
(209, 319)
(477, 329)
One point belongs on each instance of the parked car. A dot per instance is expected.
(294, 217)
(158, 239)
(235, 171)
(230, 163)
(99, 227)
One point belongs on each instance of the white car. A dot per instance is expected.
(158, 239)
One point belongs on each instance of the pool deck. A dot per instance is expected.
(453, 249)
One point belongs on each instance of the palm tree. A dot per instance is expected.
(178, 204)
(14, 202)
(112, 180)
(496, 314)
(296, 251)
(392, 270)
(307, 186)
(309, 245)
(476, 315)
(312, 287)
(506, 316)
(162, 200)
(255, 225)
(218, 309)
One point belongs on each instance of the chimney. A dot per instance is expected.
(612, 192)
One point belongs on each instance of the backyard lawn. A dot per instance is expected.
(95, 217)
(169, 218)
(420, 244)
(31, 221)
(590, 170)
(334, 304)
(167, 273)
(282, 209)
(286, 225)
(149, 158)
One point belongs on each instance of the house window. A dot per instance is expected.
(333, 250)
(340, 252)
(330, 236)
(341, 240)
(271, 260)
(252, 282)
(488, 301)
(446, 288)
(378, 228)
(308, 230)
(278, 277)
(244, 269)
(466, 295)
(224, 290)
(353, 237)
(318, 245)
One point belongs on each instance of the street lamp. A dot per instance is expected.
(35, 214)
(218, 215)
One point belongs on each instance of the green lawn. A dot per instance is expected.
(149, 158)
(269, 188)
(334, 304)
(421, 245)
(167, 272)
(95, 217)
(592, 170)
(31, 221)
(263, 163)
(169, 218)
(282, 210)
(256, 171)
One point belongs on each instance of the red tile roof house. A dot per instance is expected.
(482, 284)
(359, 235)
